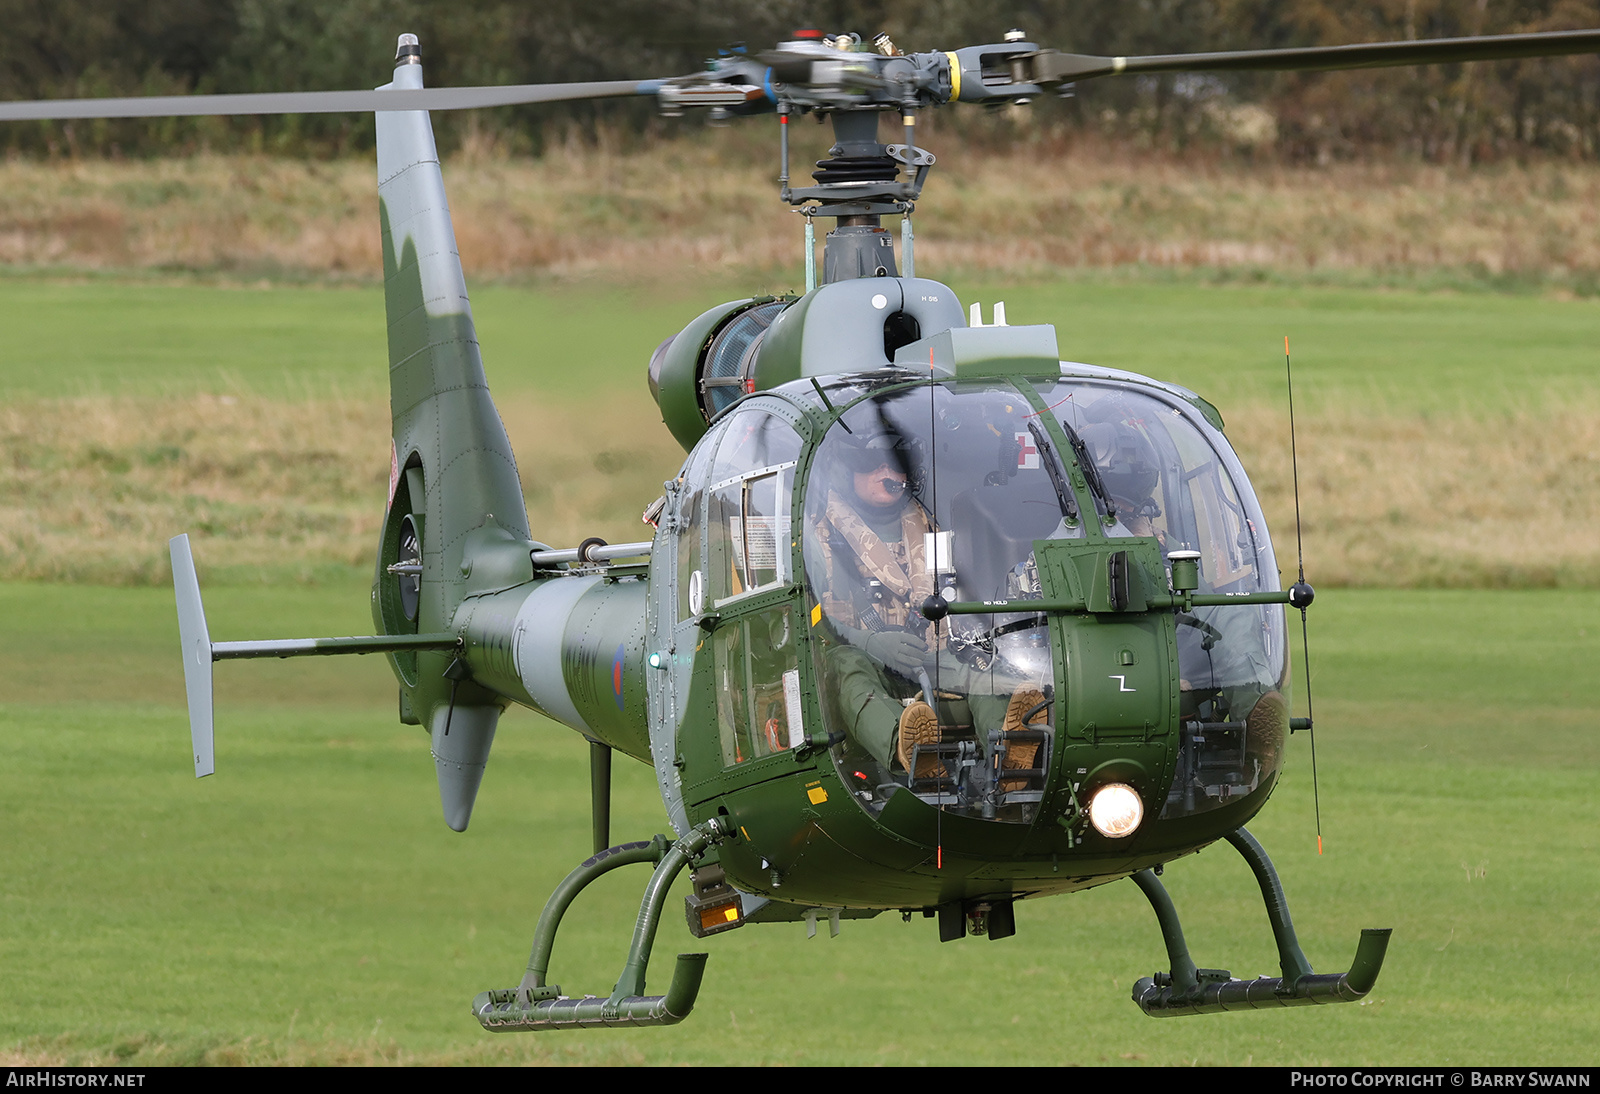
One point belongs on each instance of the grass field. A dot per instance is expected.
(257, 419)
(1024, 209)
(308, 905)
(1377, 349)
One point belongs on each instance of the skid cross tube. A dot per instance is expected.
(1291, 959)
(544, 935)
(533, 1005)
(1188, 990)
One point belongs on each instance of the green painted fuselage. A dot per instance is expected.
(683, 666)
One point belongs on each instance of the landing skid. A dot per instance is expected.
(1189, 990)
(534, 1005)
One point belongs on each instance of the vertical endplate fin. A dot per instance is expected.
(196, 640)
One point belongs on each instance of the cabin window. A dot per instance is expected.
(691, 499)
(752, 481)
(758, 685)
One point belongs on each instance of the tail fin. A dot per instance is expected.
(452, 469)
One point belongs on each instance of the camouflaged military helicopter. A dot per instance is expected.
(932, 620)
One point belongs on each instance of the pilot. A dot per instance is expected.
(871, 540)
(1222, 649)
(1131, 471)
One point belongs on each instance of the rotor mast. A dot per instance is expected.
(857, 185)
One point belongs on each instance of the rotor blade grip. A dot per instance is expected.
(196, 642)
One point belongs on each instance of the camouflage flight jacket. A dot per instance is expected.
(856, 557)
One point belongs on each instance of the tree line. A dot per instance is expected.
(1455, 113)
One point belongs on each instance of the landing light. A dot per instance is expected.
(1116, 810)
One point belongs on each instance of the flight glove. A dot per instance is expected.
(898, 650)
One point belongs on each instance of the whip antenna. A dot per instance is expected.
(1301, 596)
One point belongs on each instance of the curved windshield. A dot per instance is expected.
(1167, 473)
(936, 491)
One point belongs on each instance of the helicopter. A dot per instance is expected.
(932, 620)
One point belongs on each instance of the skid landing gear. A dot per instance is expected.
(1188, 990)
(534, 1005)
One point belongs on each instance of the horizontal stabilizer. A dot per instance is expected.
(323, 647)
(199, 651)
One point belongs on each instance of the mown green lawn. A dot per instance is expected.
(307, 902)
(1432, 352)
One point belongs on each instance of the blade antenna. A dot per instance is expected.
(1294, 463)
(1302, 601)
(933, 496)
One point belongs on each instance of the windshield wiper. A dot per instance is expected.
(1069, 505)
(1091, 473)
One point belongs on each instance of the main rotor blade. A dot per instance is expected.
(1055, 68)
(324, 102)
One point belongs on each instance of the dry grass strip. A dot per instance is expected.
(271, 489)
(92, 488)
(1436, 501)
(707, 203)
(134, 1050)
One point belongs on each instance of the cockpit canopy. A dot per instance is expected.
(942, 489)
